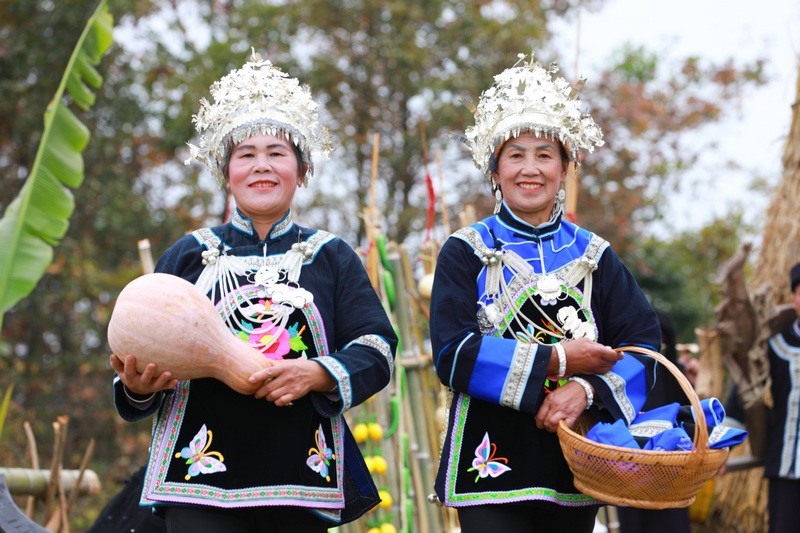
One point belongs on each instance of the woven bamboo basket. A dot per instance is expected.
(642, 478)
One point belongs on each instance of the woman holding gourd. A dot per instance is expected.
(282, 459)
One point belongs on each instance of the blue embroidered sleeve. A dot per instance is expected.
(497, 370)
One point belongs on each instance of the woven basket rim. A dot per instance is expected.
(700, 454)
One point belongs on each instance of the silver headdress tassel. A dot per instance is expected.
(526, 98)
(258, 98)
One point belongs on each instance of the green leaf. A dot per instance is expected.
(38, 218)
(297, 344)
(4, 408)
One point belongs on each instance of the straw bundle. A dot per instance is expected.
(740, 498)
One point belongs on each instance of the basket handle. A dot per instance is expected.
(700, 427)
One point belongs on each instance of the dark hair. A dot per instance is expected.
(794, 277)
(226, 160)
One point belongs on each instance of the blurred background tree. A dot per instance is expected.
(391, 68)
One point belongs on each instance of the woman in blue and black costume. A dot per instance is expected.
(282, 459)
(526, 311)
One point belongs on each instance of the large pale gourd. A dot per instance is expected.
(164, 319)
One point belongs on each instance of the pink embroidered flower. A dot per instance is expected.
(271, 340)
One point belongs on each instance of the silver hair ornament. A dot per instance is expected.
(257, 99)
(525, 97)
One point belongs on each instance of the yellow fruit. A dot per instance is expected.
(370, 461)
(388, 528)
(386, 499)
(360, 432)
(374, 530)
(379, 464)
(375, 431)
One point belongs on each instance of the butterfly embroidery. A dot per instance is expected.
(320, 457)
(486, 464)
(199, 460)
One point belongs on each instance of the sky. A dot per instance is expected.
(754, 133)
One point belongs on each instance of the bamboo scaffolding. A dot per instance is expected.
(416, 406)
(409, 405)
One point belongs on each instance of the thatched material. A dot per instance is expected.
(740, 498)
(780, 248)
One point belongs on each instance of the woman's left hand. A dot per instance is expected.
(291, 379)
(565, 403)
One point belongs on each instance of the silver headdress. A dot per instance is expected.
(258, 98)
(525, 98)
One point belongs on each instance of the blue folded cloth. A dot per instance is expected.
(668, 428)
(615, 434)
(675, 439)
(724, 436)
(713, 411)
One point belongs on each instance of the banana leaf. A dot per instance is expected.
(38, 218)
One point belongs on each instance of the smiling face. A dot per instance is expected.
(263, 175)
(529, 172)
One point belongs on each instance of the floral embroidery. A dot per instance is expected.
(199, 460)
(273, 340)
(487, 464)
(270, 339)
(320, 457)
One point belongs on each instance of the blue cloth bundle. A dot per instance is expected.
(661, 429)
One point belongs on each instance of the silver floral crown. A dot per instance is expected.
(258, 98)
(525, 98)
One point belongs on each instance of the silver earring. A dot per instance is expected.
(561, 196)
(498, 199)
(558, 203)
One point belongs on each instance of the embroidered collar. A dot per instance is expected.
(245, 225)
(796, 327)
(543, 231)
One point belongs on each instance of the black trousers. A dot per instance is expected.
(784, 505)
(512, 518)
(195, 519)
(632, 520)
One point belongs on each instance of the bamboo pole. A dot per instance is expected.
(59, 430)
(34, 483)
(370, 219)
(81, 473)
(146, 256)
(416, 407)
(30, 505)
(571, 185)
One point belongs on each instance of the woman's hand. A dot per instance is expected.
(290, 379)
(145, 383)
(589, 357)
(565, 403)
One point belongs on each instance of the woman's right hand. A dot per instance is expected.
(589, 357)
(144, 383)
